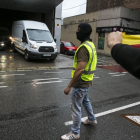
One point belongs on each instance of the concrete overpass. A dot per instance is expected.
(41, 6)
(47, 11)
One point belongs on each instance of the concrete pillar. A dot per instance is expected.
(58, 23)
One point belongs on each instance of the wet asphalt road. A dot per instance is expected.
(10, 60)
(34, 107)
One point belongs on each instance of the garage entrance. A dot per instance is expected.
(46, 11)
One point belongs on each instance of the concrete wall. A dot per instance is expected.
(132, 4)
(71, 24)
(109, 22)
(130, 14)
(68, 30)
(96, 5)
(58, 23)
(109, 13)
(119, 16)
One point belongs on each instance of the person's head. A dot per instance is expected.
(83, 32)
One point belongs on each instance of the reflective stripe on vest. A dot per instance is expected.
(87, 72)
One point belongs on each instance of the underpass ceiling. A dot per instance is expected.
(41, 6)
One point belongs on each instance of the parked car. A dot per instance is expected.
(4, 38)
(33, 40)
(67, 47)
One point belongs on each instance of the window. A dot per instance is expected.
(101, 40)
(61, 44)
(40, 35)
(69, 44)
(24, 34)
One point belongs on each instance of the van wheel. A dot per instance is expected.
(14, 50)
(26, 56)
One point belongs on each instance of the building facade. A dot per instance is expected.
(103, 22)
(97, 5)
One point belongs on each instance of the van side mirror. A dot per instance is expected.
(55, 40)
(24, 39)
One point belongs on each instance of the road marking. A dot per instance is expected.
(24, 70)
(96, 77)
(13, 75)
(45, 79)
(2, 82)
(53, 72)
(108, 112)
(118, 75)
(114, 73)
(124, 72)
(39, 83)
(136, 119)
(3, 86)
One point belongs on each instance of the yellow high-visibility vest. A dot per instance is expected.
(91, 65)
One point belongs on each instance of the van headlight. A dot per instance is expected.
(2, 44)
(33, 46)
(55, 47)
(10, 38)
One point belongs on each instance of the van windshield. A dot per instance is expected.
(39, 35)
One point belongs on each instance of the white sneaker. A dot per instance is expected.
(70, 136)
(86, 121)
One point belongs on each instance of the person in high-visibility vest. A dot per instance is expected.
(84, 66)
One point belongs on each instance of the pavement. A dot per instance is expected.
(15, 61)
(33, 105)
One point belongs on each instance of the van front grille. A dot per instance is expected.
(46, 49)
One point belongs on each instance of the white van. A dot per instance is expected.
(33, 40)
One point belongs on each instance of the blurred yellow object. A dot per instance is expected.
(131, 39)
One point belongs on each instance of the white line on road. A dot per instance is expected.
(45, 79)
(114, 73)
(118, 75)
(24, 70)
(124, 72)
(3, 86)
(96, 77)
(2, 82)
(53, 72)
(108, 112)
(13, 75)
(39, 83)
